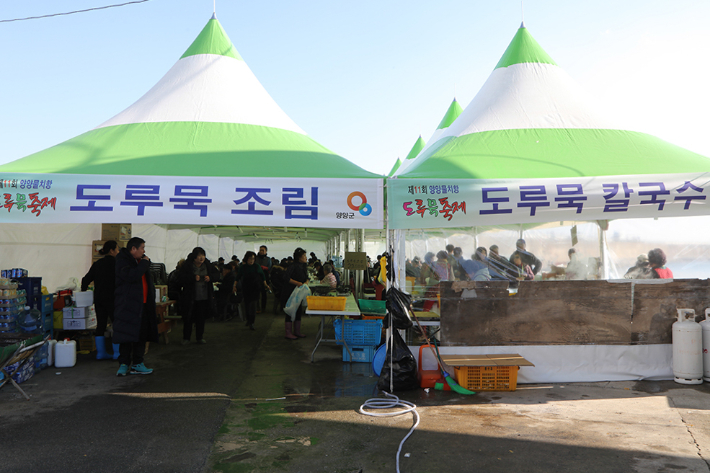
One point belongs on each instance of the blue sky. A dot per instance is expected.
(364, 78)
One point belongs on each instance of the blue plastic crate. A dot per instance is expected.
(33, 286)
(360, 354)
(48, 324)
(358, 332)
(45, 304)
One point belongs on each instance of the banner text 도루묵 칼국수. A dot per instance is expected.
(440, 203)
(298, 202)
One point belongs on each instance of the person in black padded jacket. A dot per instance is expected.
(103, 275)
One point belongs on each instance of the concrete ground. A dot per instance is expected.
(252, 401)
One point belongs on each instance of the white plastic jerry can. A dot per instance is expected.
(687, 349)
(705, 328)
(50, 352)
(65, 353)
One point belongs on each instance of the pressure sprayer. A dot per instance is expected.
(687, 349)
(705, 326)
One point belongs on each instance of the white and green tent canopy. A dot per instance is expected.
(396, 166)
(530, 147)
(450, 116)
(417, 148)
(209, 128)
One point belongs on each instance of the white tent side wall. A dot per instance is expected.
(209, 243)
(226, 248)
(180, 244)
(55, 252)
(156, 240)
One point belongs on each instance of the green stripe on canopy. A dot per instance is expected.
(553, 153)
(190, 149)
(212, 40)
(524, 49)
(416, 149)
(451, 115)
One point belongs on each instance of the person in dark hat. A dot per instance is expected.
(641, 270)
(526, 257)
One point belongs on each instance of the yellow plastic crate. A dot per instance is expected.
(326, 303)
(86, 344)
(487, 378)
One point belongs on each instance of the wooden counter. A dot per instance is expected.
(627, 312)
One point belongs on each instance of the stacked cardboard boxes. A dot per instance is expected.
(79, 318)
(119, 232)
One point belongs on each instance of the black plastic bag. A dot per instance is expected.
(398, 305)
(403, 366)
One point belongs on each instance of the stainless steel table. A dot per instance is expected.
(351, 309)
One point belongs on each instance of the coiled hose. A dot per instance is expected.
(392, 402)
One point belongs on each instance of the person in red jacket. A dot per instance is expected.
(657, 260)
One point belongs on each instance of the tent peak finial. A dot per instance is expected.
(214, 16)
(522, 24)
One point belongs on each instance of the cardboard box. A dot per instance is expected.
(116, 231)
(79, 324)
(79, 312)
(163, 292)
(486, 360)
(99, 244)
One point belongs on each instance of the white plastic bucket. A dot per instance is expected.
(83, 299)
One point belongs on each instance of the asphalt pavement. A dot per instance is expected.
(253, 401)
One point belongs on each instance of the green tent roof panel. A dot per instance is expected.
(212, 40)
(554, 153)
(524, 49)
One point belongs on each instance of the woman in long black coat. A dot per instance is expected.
(197, 297)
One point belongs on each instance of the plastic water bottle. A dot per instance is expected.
(30, 320)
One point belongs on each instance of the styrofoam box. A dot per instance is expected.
(83, 299)
(80, 324)
(79, 312)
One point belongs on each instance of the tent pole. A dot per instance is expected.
(359, 246)
(603, 254)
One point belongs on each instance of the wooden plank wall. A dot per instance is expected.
(566, 312)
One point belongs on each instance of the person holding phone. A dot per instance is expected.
(197, 298)
(135, 321)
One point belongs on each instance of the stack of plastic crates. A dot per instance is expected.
(361, 336)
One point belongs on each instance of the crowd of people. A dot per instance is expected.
(650, 266)
(484, 265)
(124, 294)
(242, 287)
(488, 264)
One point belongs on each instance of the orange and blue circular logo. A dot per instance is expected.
(364, 208)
